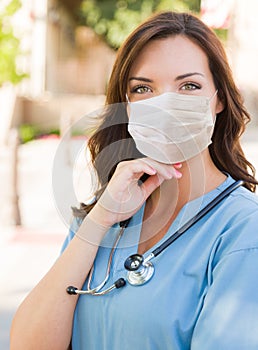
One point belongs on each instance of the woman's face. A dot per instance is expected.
(173, 64)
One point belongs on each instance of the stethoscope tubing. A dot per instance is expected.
(146, 261)
(96, 289)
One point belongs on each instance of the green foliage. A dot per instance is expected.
(9, 45)
(222, 34)
(29, 132)
(115, 19)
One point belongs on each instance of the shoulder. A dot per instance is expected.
(239, 221)
(246, 197)
(240, 203)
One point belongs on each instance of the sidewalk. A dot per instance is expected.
(27, 253)
(25, 256)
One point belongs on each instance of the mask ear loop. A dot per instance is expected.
(212, 97)
(127, 98)
(128, 106)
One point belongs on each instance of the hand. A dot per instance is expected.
(124, 196)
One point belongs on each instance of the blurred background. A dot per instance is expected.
(55, 60)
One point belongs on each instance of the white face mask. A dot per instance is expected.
(171, 127)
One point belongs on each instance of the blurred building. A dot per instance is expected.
(240, 19)
(63, 58)
(68, 66)
(243, 48)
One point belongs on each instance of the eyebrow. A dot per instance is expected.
(183, 76)
(179, 77)
(141, 79)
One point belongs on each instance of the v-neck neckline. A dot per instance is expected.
(186, 212)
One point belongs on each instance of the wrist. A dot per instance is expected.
(91, 230)
(102, 216)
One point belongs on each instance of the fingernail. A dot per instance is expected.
(178, 174)
(177, 165)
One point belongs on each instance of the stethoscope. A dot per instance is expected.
(140, 269)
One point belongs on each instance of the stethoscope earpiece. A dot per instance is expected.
(139, 271)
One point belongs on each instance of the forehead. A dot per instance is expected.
(173, 55)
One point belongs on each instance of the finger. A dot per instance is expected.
(168, 171)
(151, 184)
(137, 166)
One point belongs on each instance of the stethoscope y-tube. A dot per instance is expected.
(118, 284)
(141, 270)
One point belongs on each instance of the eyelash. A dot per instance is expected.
(135, 88)
(194, 86)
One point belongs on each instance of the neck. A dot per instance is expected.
(199, 176)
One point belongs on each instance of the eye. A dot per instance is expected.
(140, 89)
(190, 86)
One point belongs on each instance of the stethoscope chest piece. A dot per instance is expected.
(139, 271)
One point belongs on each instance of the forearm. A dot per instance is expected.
(44, 320)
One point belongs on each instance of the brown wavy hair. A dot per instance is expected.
(112, 135)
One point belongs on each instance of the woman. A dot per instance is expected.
(203, 294)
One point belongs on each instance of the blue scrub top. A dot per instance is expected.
(204, 292)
